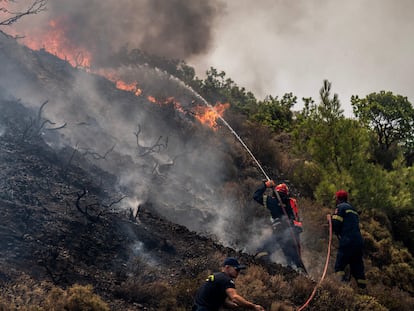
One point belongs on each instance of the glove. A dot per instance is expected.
(298, 226)
(270, 184)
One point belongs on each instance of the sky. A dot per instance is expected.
(275, 47)
(269, 47)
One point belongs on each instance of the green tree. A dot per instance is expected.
(335, 147)
(217, 88)
(317, 132)
(274, 113)
(391, 117)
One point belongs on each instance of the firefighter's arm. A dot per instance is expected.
(240, 301)
(258, 194)
(337, 221)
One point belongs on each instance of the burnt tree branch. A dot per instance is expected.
(36, 126)
(155, 148)
(11, 17)
(99, 208)
(97, 156)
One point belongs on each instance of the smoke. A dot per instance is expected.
(180, 179)
(292, 46)
(269, 47)
(175, 29)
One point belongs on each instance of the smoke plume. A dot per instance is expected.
(175, 29)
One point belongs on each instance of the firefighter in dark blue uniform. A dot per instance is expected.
(345, 224)
(286, 227)
(219, 290)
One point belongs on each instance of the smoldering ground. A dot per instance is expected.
(102, 120)
(182, 181)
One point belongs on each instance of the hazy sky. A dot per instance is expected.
(270, 47)
(278, 46)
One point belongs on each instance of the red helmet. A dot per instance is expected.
(341, 195)
(282, 188)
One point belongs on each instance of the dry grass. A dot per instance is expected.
(28, 295)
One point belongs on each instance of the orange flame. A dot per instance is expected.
(55, 41)
(209, 115)
(130, 87)
(152, 99)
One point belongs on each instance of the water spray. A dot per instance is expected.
(225, 123)
(275, 192)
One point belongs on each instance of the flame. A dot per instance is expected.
(209, 115)
(152, 99)
(54, 40)
(130, 87)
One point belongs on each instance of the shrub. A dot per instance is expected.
(80, 297)
(28, 295)
(254, 284)
(367, 303)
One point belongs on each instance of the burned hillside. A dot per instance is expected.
(155, 146)
(138, 190)
(63, 223)
(94, 175)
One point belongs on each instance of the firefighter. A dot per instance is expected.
(286, 225)
(219, 290)
(345, 224)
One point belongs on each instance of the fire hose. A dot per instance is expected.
(328, 217)
(295, 240)
(284, 210)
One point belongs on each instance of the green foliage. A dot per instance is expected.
(337, 147)
(217, 88)
(391, 117)
(306, 176)
(401, 208)
(274, 113)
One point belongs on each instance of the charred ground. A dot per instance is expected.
(80, 204)
(60, 224)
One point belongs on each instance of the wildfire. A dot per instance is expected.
(209, 115)
(55, 41)
(152, 99)
(130, 87)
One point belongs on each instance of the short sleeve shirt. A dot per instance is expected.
(212, 293)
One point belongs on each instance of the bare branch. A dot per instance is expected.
(11, 17)
(99, 208)
(96, 155)
(35, 127)
(155, 148)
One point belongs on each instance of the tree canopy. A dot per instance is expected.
(391, 117)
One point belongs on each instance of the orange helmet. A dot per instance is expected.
(282, 188)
